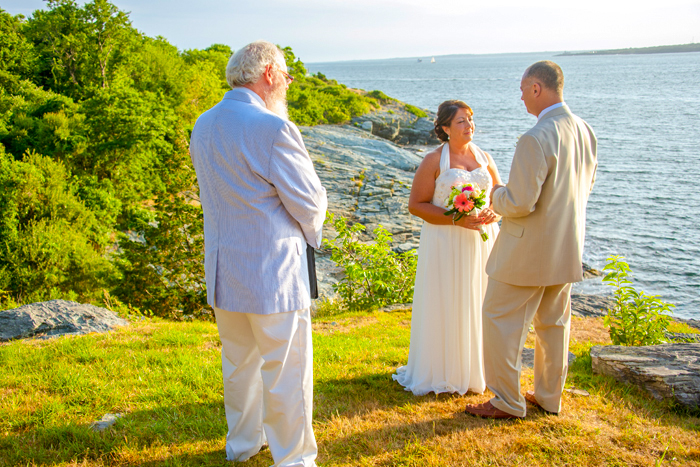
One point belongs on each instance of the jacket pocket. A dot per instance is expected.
(513, 229)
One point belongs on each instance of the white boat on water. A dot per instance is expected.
(432, 60)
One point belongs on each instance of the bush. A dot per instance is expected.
(380, 96)
(375, 276)
(51, 244)
(636, 318)
(415, 111)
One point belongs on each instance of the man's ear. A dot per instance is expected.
(267, 74)
(536, 89)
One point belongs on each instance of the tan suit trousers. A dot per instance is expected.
(507, 313)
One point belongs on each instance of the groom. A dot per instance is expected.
(538, 252)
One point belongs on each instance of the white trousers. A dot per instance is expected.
(267, 363)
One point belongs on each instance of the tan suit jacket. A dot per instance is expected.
(544, 203)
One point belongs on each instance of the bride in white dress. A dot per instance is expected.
(446, 339)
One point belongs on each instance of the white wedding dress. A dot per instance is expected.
(446, 352)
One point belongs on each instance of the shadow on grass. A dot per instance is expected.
(136, 431)
(357, 395)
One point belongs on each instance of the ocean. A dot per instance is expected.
(645, 110)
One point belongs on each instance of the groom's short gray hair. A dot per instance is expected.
(248, 63)
(549, 74)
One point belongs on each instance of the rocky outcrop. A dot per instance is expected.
(394, 123)
(54, 318)
(586, 306)
(367, 178)
(668, 371)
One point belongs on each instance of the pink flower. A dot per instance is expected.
(467, 188)
(462, 203)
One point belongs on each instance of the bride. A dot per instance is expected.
(446, 341)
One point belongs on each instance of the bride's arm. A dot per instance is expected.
(422, 190)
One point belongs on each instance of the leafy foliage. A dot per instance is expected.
(636, 318)
(98, 191)
(420, 113)
(375, 276)
(316, 100)
(50, 244)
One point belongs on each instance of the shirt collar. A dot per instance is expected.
(253, 94)
(551, 107)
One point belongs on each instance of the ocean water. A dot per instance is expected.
(645, 110)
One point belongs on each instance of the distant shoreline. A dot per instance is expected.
(660, 49)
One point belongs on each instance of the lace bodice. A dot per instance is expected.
(449, 177)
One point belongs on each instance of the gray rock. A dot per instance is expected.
(367, 179)
(367, 126)
(394, 123)
(667, 371)
(589, 272)
(106, 421)
(54, 318)
(585, 306)
(682, 337)
(528, 358)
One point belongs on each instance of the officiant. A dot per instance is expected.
(263, 206)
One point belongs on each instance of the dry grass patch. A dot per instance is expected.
(170, 390)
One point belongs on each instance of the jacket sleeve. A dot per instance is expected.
(298, 186)
(528, 173)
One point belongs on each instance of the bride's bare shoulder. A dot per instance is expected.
(433, 157)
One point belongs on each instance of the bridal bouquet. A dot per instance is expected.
(463, 200)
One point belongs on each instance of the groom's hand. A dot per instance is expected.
(487, 216)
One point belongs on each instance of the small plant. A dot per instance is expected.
(420, 113)
(636, 318)
(380, 96)
(375, 276)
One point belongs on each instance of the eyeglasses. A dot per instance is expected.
(287, 76)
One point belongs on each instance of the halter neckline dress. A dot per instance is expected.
(446, 353)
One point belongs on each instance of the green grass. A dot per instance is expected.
(165, 378)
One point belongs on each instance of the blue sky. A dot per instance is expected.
(333, 30)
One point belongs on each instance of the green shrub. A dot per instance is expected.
(51, 244)
(375, 276)
(420, 113)
(381, 97)
(636, 318)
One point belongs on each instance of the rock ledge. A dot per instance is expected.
(54, 318)
(667, 371)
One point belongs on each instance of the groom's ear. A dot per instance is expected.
(536, 89)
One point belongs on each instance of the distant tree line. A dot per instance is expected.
(97, 192)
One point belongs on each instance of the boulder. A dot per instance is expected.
(55, 318)
(585, 306)
(528, 358)
(367, 179)
(667, 371)
(589, 272)
(394, 123)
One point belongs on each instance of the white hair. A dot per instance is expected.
(248, 63)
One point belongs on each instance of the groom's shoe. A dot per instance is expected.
(487, 410)
(530, 397)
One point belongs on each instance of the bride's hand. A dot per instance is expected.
(487, 216)
(470, 222)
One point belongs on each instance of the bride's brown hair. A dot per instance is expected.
(446, 112)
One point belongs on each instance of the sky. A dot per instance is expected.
(338, 30)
